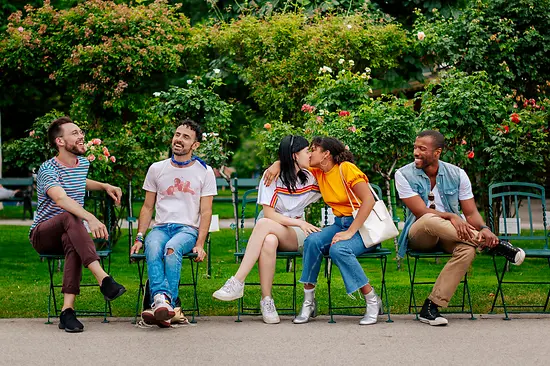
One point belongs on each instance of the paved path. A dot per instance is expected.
(220, 341)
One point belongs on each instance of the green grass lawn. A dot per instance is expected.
(24, 280)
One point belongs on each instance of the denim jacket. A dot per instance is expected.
(448, 183)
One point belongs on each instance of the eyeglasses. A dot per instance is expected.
(431, 199)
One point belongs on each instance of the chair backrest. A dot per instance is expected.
(101, 206)
(249, 197)
(517, 211)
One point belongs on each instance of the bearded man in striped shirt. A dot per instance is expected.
(59, 228)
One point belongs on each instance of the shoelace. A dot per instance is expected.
(230, 286)
(269, 306)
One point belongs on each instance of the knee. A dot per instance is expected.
(71, 221)
(271, 242)
(313, 241)
(337, 252)
(263, 224)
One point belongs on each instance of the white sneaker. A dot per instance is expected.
(232, 290)
(269, 313)
(161, 308)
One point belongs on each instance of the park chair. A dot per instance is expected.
(380, 254)
(101, 206)
(508, 220)
(250, 197)
(140, 260)
(437, 256)
(26, 194)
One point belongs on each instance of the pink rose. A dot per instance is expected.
(20, 29)
(352, 129)
(31, 133)
(113, 159)
(91, 157)
(463, 142)
(420, 36)
(267, 126)
(96, 141)
(347, 147)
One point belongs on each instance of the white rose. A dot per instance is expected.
(421, 36)
(189, 82)
(351, 62)
(367, 70)
(156, 94)
(349, 26)
(217, 71)
(341, 61)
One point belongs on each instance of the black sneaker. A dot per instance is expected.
(513, 254)
(69, 322)
(111, 289)
(430, 314)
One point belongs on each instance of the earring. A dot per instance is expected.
(323, 165)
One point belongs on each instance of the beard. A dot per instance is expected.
(180, 152)
(76, 149)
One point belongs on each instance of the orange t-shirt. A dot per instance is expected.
(332, 188)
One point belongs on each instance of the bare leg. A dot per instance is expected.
(366, 289)
(68, 301)
(268, 258)
(97, 271)
(263, 228)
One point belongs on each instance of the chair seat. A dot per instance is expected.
(279, 254)
(416, 254)
(537, 253)
(377, 253)
(52, 256)
(141, 256)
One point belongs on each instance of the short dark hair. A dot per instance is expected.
(193, 126)
(54, 131)
(336, 148)
(437, 137)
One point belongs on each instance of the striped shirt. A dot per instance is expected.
(289, 204)
(53, 173)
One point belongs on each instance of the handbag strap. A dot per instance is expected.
(354, 196)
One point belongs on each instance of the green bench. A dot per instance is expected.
(26, 184)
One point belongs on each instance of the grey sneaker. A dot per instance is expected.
(232, 290)
(161, 308)
(269, 312)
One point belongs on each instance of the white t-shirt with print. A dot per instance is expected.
(405, 191)
(179, 191)
(287, 203)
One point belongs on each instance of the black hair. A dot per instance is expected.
(193, 126)
(290, 145)
(335, 147)
(54, 131)
(437, 137)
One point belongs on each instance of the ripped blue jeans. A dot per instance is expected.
(164, 269)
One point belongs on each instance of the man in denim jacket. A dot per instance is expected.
(435, 192)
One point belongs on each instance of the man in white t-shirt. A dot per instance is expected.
(181, 190)
(435, 192)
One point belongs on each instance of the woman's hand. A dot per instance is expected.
(342, 235)
(307, 228)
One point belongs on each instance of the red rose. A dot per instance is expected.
(343, 113)
(514, 117)
(506, 129)
(471, 155)
(267, 126)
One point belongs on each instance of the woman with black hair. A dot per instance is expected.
(338, 177)
(280, 226)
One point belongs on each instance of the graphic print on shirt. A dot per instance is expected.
(180, 185)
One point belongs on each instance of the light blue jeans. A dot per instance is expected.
(343, 253)
(164, 269)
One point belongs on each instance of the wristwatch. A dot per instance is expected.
(483, 227)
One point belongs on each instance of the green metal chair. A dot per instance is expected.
(250, 197)
(141, 262)
(382, 255)
(437, 255)
(504, 202)
(101, 206)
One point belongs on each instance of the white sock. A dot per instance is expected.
(308, 291)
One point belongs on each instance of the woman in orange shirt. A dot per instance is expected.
(332, 165)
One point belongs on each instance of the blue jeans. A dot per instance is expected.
(164, 269)
(343, 253)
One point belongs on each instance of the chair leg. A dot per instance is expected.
(547, 297)
(239, 310)
(194, 274)
(294, 287)
(141, 289)
(329, 278)
(500, 278)
(467, 290)
(384, 289)
(412, 277)
(52, 291)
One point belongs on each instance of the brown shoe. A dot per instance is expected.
(148, 318)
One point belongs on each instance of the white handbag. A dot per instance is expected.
(379, 225)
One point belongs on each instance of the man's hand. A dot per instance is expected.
(307, 228)
(487, 238)
(97, 228)
(200, 253)
(463, 228)
(272, 173)
(342, 235)
(136, 247)
(114, 192)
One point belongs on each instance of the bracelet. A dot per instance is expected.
(139, 237)
(483, 227)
